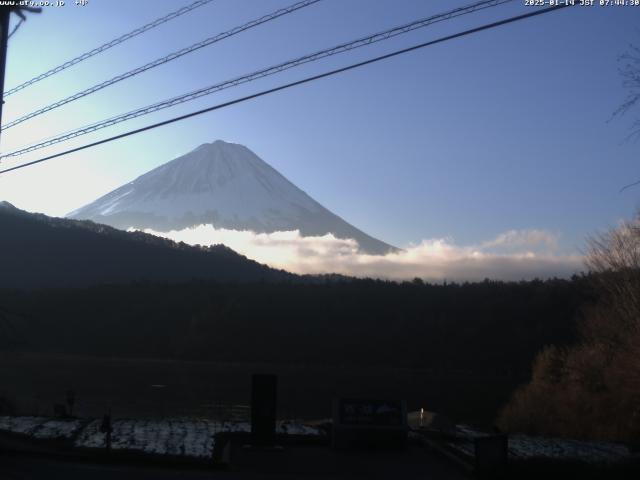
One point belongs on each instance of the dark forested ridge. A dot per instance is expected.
(486, 326)
(82, 288)
(76, 295)
(41, 251)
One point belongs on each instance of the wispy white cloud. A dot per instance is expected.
(513, 255)
(538, 240)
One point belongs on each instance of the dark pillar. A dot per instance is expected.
(263, 409)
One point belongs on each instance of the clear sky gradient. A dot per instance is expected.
(506, 129)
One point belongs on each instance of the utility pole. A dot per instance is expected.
(5, 12)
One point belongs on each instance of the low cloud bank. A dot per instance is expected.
(513, 255)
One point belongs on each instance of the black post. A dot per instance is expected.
(107, 429)
(5, 13)
(263, 409)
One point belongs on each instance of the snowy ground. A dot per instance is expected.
(194, 438)
(526, 447)
(41, 427)
(176, 437)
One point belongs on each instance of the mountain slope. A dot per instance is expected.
(226, 185)
(39, 251)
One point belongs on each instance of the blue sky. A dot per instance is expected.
(503, 130)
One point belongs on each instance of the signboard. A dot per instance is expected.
(366, 423)
(371, 413)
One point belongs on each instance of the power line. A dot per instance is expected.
(293, 84)
(629, 186)
(108, 45)
(167, 58)
(344, 47)
(15, 28)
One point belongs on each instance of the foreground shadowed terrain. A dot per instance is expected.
(461, 348)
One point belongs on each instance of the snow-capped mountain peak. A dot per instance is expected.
(223, 184)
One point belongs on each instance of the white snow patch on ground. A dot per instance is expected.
(41, 427)
(176, 437)
(295, 428)
(526, 447)
(52, 429)
(173, 436)
(193, 438)
(24, 425)
(90, 437)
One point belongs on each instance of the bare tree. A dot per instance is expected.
(630, 72)
(592, 389)
(614, 259)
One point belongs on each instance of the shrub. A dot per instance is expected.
(592, 390)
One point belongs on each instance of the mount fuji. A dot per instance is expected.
(225, 185)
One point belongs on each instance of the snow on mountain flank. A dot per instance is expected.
(225, 185)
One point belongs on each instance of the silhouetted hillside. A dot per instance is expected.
(39, 251)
